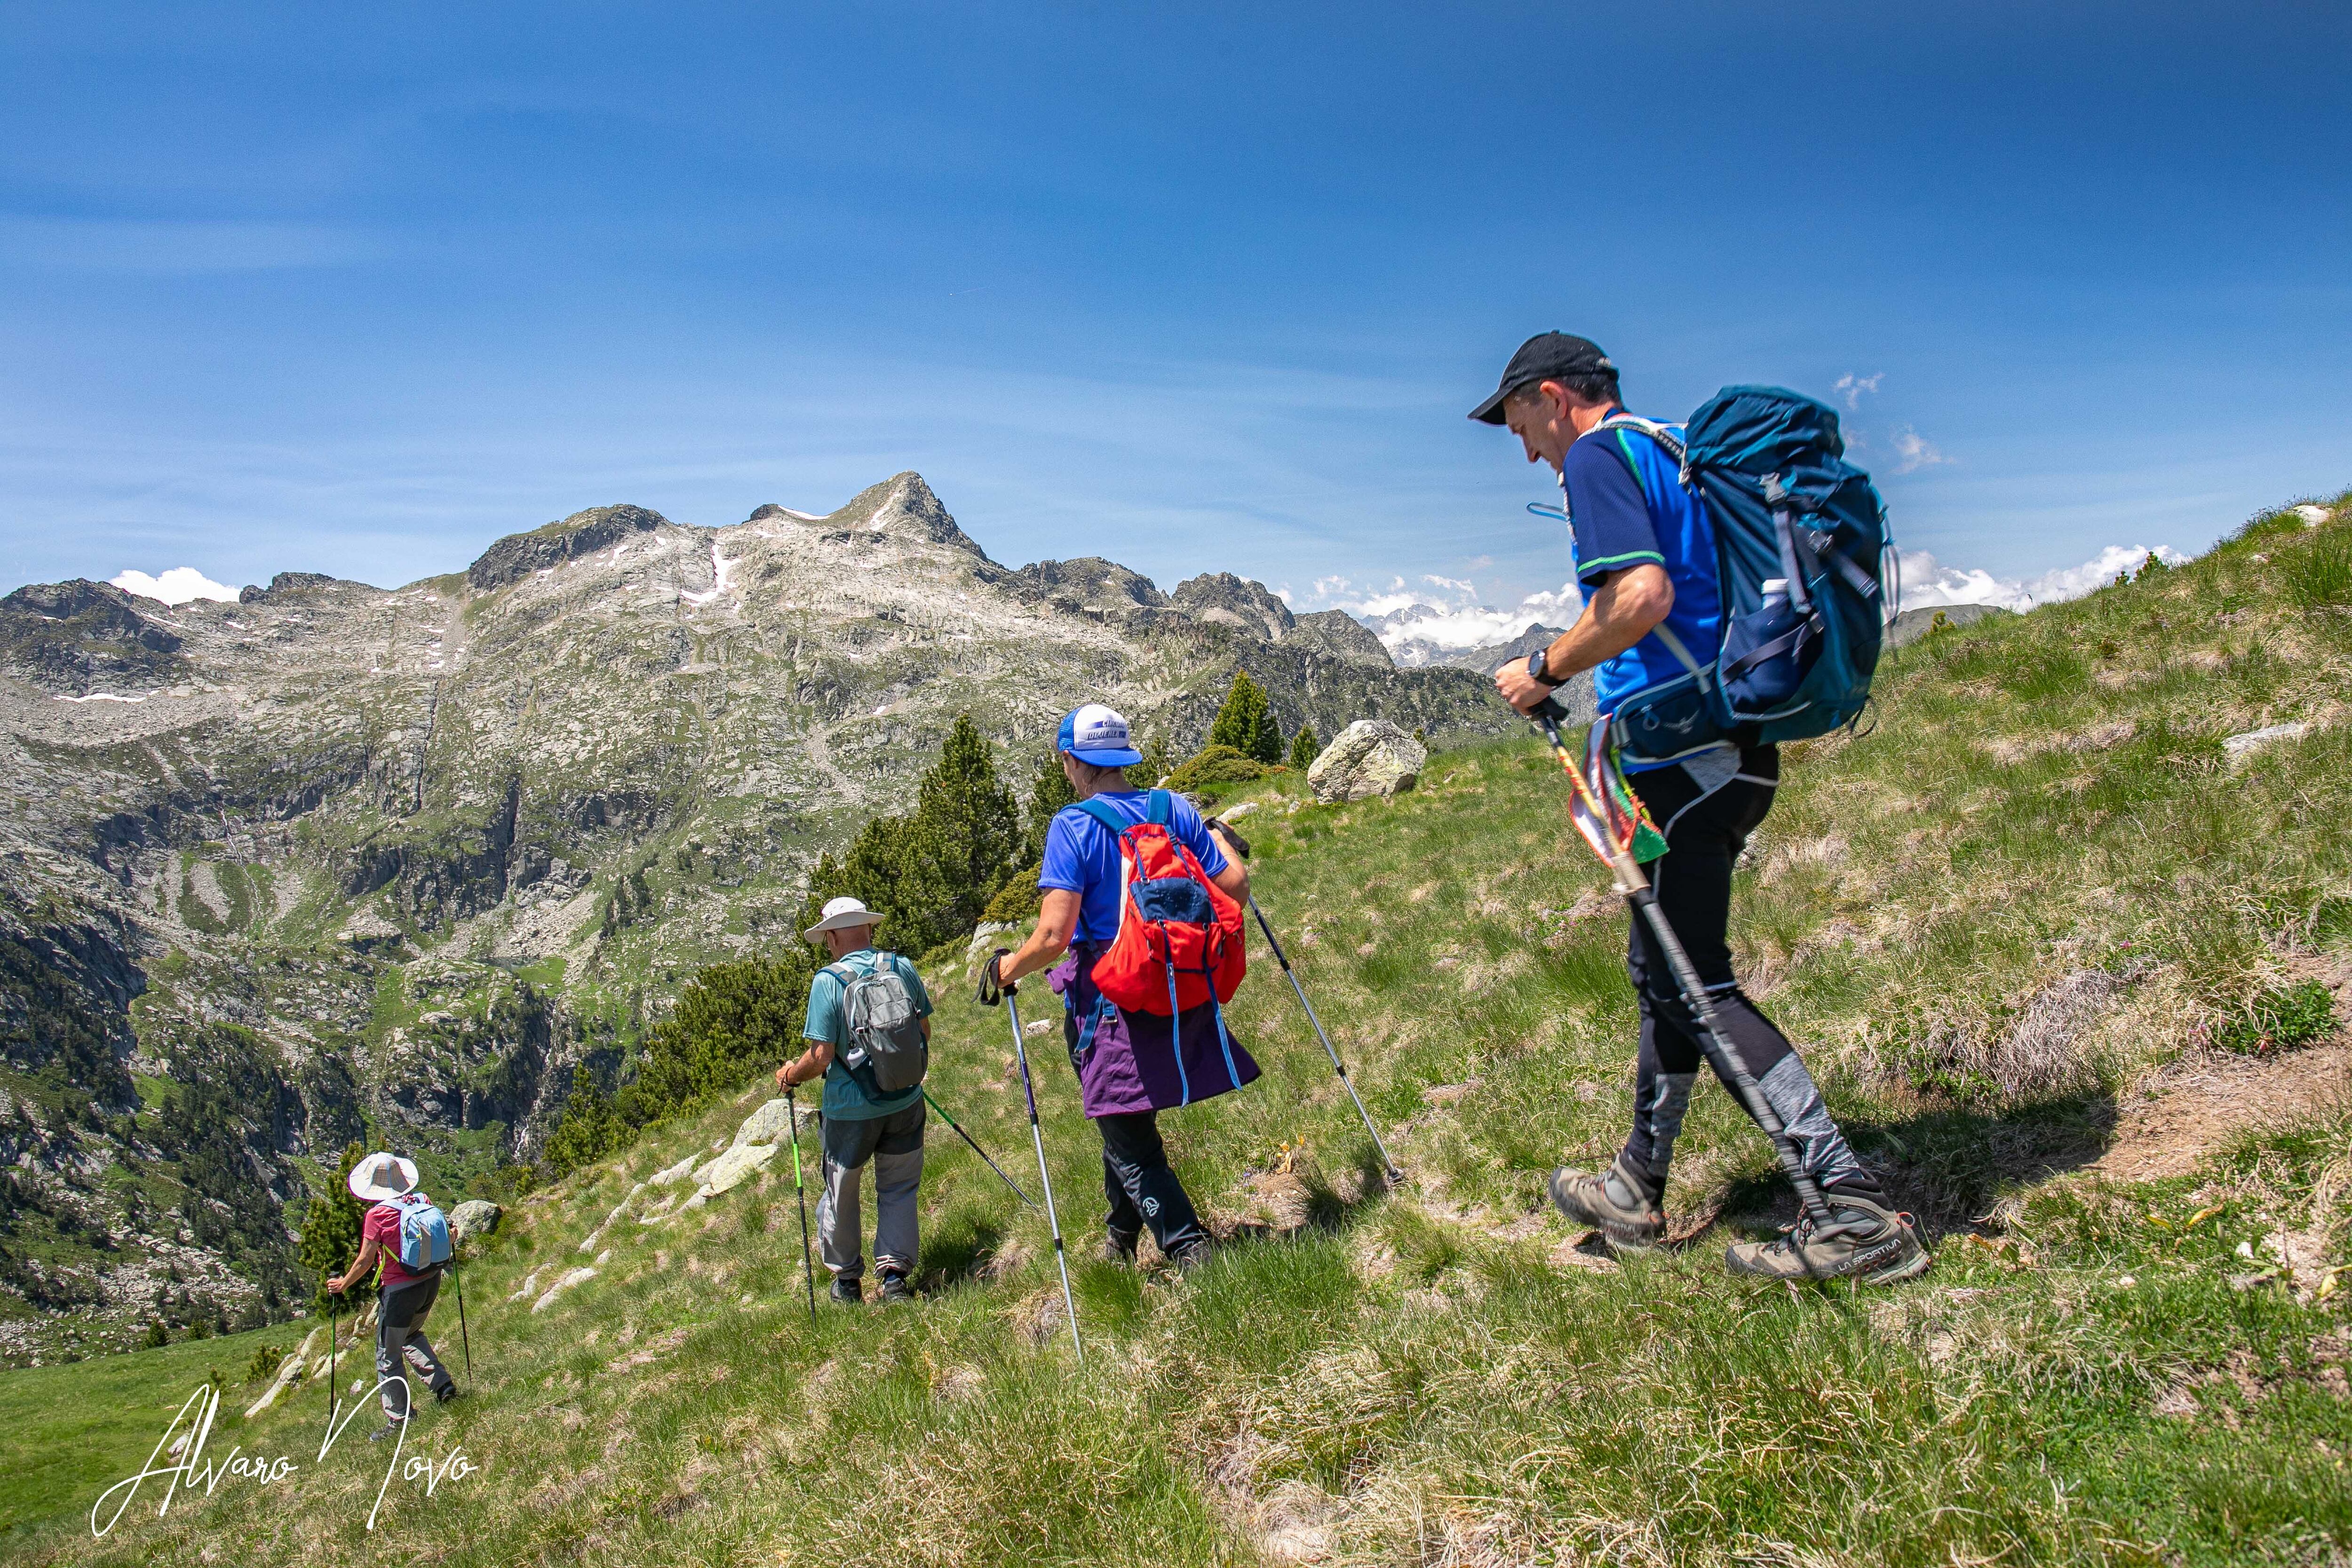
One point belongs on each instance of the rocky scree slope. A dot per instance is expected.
(396, 859)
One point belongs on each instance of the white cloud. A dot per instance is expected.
(1917, 451)
(1418, 624)
(1850, 387)
(1927, 581)
(176, 587)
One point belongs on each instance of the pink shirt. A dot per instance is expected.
(380, 1225)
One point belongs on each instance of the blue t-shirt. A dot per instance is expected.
(1627, 508)
(1082, 856)
(844, 1098)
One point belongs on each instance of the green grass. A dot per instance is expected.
(2036, 881)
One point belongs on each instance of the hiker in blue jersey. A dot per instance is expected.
(1131, 1065)
(1645, 558)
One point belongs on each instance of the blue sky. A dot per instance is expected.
(359, 292)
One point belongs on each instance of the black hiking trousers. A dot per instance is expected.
(1141, 1187)
(1705, 828)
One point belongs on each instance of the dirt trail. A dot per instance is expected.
(2184, 1112)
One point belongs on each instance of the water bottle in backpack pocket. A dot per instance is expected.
(886, 1052)
(424, 1232)
(1768, 653)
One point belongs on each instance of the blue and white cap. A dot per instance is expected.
(1094, 733)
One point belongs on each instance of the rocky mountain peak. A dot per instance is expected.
(904, 504)
(1102, 589)
(1340, 635)
(583, 533)
(69, 634)
(1236, 601)
(286, 584)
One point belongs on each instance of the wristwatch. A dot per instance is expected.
(1535, 671)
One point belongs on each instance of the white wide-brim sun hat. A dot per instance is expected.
(841, 915)
(380, 1177)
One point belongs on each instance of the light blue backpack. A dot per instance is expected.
(424, 1232)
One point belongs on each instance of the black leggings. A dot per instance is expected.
(1706, 830)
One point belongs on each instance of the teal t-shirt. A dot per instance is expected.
(844, 1098)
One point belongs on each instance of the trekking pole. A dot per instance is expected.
(464, 1338)
(1394, 1174)
(800, 1191)
(331, 1401)
(1045, 1178)
(1595, 821)
(976, 1149)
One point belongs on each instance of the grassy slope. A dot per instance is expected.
(1439, 1375)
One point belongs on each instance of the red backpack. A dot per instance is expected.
(1180, 937)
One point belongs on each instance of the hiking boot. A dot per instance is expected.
(1120, 1249)
(443, 1395)
(895, 1287)
(847, 1293)
(1863, 1241)
(1610, 1204)
(389, 1429)
(1191, 1256)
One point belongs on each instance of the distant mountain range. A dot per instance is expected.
(338, 861)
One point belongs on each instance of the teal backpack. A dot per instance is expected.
(1805, 564)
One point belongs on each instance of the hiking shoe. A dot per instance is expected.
(1612, 1204)
(389, 1429)
(847, 1293)
(1191, 1256)
(443, 1395)
(895, 1287)
(1861, 1241)
(1120, 1249)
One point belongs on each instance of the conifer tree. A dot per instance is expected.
(1048, 794)
(971, 824)
(331, 1231)
(1305, 747)
(588, 1131)
(1246, 721)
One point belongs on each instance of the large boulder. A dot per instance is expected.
(771, 1124)
(733, 1168)
(1371, 757)
(474, 1217)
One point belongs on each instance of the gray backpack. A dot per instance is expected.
(886, 1052)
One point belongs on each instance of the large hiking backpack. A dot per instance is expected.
(424, 1232)
(1786, 508)
(1180, 937)
(886, 1051)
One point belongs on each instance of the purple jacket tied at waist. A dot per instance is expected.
(1142, 1062)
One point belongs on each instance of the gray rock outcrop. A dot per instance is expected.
(769, 1123)
(474, 1217)
(1371, 757)
(1341, 636)
(1237, 602)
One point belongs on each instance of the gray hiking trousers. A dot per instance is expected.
(400, 1336)
(893, 1144)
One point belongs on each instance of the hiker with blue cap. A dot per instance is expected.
(1132, 1063)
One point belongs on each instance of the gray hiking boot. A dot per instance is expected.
(1120, 1249)
(1861, 1241)
(1193, 1255)
(1612, 1204)
(895, 1287)
(847, 1291)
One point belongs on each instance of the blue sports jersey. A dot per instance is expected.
(1082, 856)
(1627, 508)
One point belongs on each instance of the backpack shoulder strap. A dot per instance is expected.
(1103, 814)
(1664, 435)
(1160, 807)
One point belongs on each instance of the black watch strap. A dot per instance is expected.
(1536, 670)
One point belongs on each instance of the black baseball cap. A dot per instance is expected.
(1547, 356)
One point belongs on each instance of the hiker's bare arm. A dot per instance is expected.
(1046, 945)
(810, 1064)
(1619, 613)
(362, 1266)
(1232, 881)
